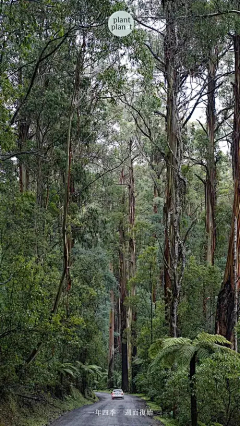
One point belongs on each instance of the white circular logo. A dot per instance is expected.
(121, 23)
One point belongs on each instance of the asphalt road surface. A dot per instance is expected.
(130, 411)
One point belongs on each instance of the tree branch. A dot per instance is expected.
(40, 59)
(104, 173)
(212, 15)
(5, 282)
(148, 26)
(161, 114)
(201, 179)
(156, 57)
(4, 157)
(202, 126)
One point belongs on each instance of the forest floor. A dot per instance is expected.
(41, 410)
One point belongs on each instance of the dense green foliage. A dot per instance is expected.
(65, 78)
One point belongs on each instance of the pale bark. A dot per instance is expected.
(111, 343)
(40, 185)
(235, 271)
(174, 261)
(155, 165)
(123, 291)
(227, 305)
(210, 186)
(23, 130)
(132, 350)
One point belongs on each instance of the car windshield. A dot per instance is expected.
(117, 390)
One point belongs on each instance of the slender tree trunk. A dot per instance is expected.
(23, 171)
(40, 185)
(117, 340)
(23, 129)
(210, 186)
(226, 316)
(151, 308)
(123, 291)
(155, 194)
(155, 164)
(111, 343)
(173, 248)
(235, 271)
(132, 315)
(194, 413)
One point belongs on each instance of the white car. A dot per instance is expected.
(117, 393)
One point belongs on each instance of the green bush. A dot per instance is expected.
(218, 390)
(176, 396)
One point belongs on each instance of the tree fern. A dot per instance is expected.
(155, 348)
(184, 352)
(212, 339)
(68, 368)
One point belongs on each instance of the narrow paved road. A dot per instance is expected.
(130, 411)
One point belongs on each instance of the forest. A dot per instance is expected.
(120, 205)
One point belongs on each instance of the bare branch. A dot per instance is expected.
(104, 173)
(201, 94)
(7, 281)
(220, 13)
(222, 121)
(202, 126)
(225, 109)
(156, 57)
(201, 179)
(161, 114)
(148, 26)
(194, 107)
(196, 161)
(224, 136)
(4, 157)
(189, 230)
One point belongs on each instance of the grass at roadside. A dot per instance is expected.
(166, 422)
(31, 411)
(155, 408)
(151, 404)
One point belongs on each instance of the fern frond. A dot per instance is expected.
(138, 361)
(203, 353)
(212, 339)
(155, 348)
(176, 342)
(68, 368)
(166, 360)
(68, 371)
(185, 354)
(173, 349)
(89, 368)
